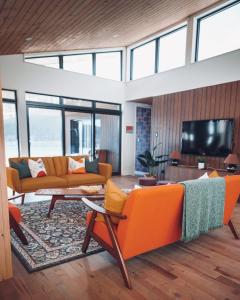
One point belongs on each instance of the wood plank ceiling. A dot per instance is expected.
(55, 25)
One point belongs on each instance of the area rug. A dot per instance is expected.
(52, 241)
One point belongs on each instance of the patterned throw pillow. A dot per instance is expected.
(37, 168)
(76, 166)
(21, 167)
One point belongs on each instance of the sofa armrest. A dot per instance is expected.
(102, 210)
(13, 180)
(105, 170)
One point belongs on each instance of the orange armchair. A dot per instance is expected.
(151, 218)
(15, 218)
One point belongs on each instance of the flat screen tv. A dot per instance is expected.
(207, 137)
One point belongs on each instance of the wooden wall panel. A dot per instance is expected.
(213, 102)
(5, 248)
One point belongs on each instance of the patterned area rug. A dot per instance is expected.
(52, 241)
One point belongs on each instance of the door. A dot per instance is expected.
(107, 139)
(78, 133)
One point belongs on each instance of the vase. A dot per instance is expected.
(201, 165)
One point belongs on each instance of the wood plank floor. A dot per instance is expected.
(208, 268)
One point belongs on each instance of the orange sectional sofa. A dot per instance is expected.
(151, 218)
(57, 175)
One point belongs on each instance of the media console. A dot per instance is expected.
(184, 172)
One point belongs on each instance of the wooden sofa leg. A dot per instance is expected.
(14, 225)
(118, 253)
(23, 198)
(88, 233)
(234, 230)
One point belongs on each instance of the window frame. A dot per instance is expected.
(132, 57)
(198, 25)
(61, 57)
(45, 56)
(63, 108)
(61, 60)
(157, 47)
(15, 102)
(121, 63)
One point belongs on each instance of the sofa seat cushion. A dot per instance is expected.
(15, 212)
(81, 179)
(33, 184)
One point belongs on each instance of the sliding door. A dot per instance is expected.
(78, 133)
(107, 137)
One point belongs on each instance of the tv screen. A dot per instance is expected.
(207, 137)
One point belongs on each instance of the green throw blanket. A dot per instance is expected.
(203, 206)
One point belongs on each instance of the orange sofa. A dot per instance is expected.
(57, 175)
(151, 218)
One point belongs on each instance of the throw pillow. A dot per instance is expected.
(76, 166)
(92, 166)
(213, 174)
(204, 176)
(21, 167)
(37, 168)
(114, 201)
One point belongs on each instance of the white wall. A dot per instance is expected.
(21, 76)
(215, 70)
(17, 74)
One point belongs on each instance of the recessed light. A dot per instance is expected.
(116, 35)
(28, 39)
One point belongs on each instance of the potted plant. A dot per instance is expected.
(151, 161)
(202, 162)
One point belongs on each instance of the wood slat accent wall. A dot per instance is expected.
(5, 247)
(213, 102)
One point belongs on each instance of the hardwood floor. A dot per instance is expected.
(208, 268)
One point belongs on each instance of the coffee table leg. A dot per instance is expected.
(51, 207)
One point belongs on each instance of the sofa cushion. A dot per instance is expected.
(80, 179)
(15, 212)
(48, 163)
(61, 163)
(33, 184)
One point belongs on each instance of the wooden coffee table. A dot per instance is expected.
(67, 194)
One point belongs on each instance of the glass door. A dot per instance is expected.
(78, 133)
(107, 139)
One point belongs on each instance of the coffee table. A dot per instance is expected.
(67, 194)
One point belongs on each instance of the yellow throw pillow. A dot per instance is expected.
(76, 166)
(213, 174)
(114, 201)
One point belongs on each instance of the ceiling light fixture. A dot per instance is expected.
(116, 35)
(28, 39)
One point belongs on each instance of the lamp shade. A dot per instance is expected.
(175, 155)
(232, 159)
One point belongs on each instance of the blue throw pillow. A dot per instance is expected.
(91, 166)
(22, 168)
